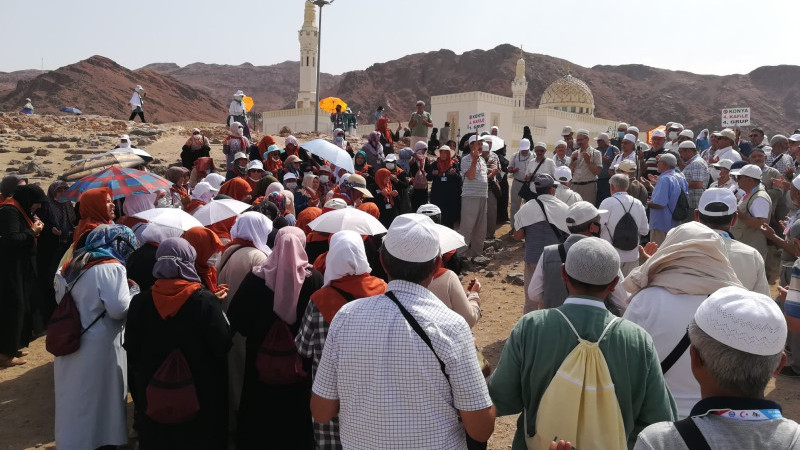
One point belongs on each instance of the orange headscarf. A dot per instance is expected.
(93, 211)
(383, 180)
(205, 243)
(11, 202)
(264, 144)
(236, 188)
(170, 295)
(444, 164)
(371, 209)
(223, 228)
(329, 301)
(383, 127)
(307, 216)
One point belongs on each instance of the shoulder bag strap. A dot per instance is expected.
(691, 435)
(537, 167)
(418, 329)
(675, 354)
(557, 231)
(100, 316)
(348, 297)
(222, 266)
(562, 252)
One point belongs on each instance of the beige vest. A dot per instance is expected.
(752, 236)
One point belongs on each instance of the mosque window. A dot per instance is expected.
(564, 108)
(580, 110)
(572, 109)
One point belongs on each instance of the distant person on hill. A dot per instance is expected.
(237, 112)
(28, 108)
(137, 102)
(378, 113)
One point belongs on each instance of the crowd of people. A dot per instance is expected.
(646, 276)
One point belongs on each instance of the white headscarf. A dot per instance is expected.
(346, 256)
(157, 234)
(255, 227)
(137, 203)
(214, 179)
(203, 192)
(274, 187)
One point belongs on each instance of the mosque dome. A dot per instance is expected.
(568, 94)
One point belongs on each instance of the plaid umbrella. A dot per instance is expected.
(121, 181)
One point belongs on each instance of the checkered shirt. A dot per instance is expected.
(782, 162)
(391, 390)
(310, 341)
(696, 170)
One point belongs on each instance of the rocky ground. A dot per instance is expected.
(51, 143)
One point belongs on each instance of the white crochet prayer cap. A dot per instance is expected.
(412, 238)
(592, 260)
(429, 209)
(743, 320)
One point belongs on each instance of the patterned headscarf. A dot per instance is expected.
(104, 242)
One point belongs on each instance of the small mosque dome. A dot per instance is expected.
(568, 94)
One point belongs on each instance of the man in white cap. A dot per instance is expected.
(666, 290)
(717, 210)
(541, 340)
(568, 136)
(405, 344)
(419, 123)
(518, 168)
(586, 163)
(540, 222)
(474, 192)
(137, 103)
(790, 247)
(641, 146)
(546, 288)
(609, 153)
(725, 140)
(622, 130)
(237, 112)
(755, 209)
(737, 340)
(624, 222)
(674, 130)
(627, 147)
(564, 177)
(721, 172)
(665, 197)
(560, 156)
(694, 170)
(649, 158)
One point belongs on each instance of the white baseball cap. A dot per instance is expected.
(524, 144)
(750, 170)
(717, 202)
(743, 320)
(563, 174)
(658, 133)
(581, 212)
(687, 133)
(723, 163)
(255, 165)
(412, 238)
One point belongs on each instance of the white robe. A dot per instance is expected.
(91, 384)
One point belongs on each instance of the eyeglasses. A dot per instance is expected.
(241, 128)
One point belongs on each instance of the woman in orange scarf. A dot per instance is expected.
(307, 216)
(177, 313)
(383, 128)
(264, 144)
(345, 281)
(386, 196)
(237, 189)
(206, 243)
(272, 160)
(96, 208)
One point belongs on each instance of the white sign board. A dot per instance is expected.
(476, 122)
(735, 117)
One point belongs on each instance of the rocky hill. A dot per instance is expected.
(9, 80)
(271, 87)
(98, 85)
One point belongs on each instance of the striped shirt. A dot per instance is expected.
(478, 186)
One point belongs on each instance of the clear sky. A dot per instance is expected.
(702, 36)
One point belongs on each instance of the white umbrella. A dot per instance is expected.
(449, 239)
(219, 210)
(331, 152)
(170, 217)
(497, 143)
(347, 219)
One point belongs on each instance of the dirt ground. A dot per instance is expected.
(26, 392)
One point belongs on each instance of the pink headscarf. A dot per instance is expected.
(285, 271)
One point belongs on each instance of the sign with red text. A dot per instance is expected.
(735, 117)
(476, 122)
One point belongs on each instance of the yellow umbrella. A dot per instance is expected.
(650, 133)
(248, 103)
(328, 104)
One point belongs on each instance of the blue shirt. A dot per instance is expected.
(666, 194)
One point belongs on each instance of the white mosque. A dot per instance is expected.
(567, 101)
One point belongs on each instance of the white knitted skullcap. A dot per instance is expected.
(412, 238)
(744, 320)
(592, 260)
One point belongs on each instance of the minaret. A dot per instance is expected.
(519, 87)
(308, 58)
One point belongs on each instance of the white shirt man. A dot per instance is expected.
(616, 206)
(560, 156)
(563, 175)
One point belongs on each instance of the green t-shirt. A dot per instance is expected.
(540, 342)
(420, 129)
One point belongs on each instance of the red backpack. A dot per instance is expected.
(171, 394)
(64, 329)
(278, 362)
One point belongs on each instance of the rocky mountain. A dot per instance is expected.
(9, 80)
(100, 86)
(637, 94)
(271, 87)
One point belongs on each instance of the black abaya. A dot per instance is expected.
(140, 266)
(270, 416)
(17, 281)
(202, 333)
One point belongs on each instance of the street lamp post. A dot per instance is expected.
(319, 3)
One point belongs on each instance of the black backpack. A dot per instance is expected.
(626, 232)
(681, 211)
